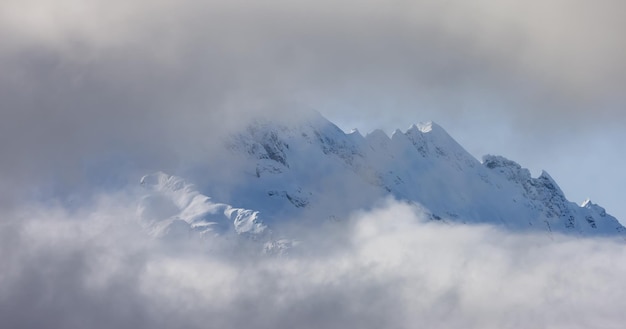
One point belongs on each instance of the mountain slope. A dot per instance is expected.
(311, 170)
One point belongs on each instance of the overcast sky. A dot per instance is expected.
(143, 82)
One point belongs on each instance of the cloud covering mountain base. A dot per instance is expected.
(389, 267)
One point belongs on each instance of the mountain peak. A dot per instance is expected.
(550, 182)
(354, 131)
(426, 127)
(312, 167)
(377, 134)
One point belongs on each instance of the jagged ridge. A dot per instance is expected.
(311, 169)
(423, 165)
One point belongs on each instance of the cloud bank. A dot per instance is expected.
(388, 267)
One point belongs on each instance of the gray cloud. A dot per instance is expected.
(96, 73)
(565, 49)
(146, 77)
(383, 268)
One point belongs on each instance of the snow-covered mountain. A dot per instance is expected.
(310, 170)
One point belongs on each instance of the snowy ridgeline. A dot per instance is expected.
(311, 170)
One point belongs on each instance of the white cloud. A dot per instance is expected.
(383, 268)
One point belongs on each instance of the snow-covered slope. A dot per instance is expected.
(172, 207)
(311, 170)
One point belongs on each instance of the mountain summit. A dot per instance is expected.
(311, 170)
